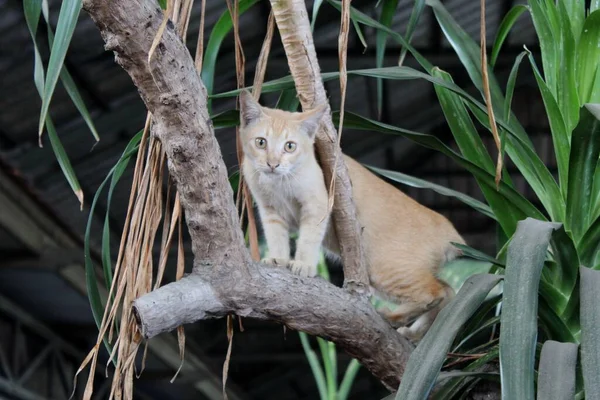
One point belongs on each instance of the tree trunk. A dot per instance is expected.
(225, 280)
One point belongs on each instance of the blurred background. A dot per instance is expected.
(46, 326)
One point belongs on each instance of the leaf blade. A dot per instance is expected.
(556, 379)
(424, 364)
(505, 26)
(67, 20)
(583, 159)
(525, 260)
(422, 184)
(387, 14)
(590, 331)
(588, 54)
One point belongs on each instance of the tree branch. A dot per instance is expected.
(224, 279)
(294, 27)
(311, 305)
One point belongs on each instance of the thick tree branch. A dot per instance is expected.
(225, 280)
(294, 27)
(311, 305)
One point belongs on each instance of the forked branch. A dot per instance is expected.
(225, 280)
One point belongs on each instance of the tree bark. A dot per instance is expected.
(294, 28)
(225, 280)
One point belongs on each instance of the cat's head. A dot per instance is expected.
(275, 141)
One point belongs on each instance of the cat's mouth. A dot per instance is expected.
(273, 172)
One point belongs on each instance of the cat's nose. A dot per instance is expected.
(272, 166)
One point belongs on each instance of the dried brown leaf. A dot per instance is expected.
(488, 97)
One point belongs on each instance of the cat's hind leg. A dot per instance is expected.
(423, 303)
(419, 328)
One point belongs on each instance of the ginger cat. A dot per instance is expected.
(405, 243)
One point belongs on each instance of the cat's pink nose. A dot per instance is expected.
(272, 166)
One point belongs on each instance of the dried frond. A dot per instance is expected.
(200, 44)
(488, 97)
(133, 273)
(342, 54)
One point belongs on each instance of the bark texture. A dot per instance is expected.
(294, 28)
(225, 280)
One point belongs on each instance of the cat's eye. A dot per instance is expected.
(290, 147)
(261, 143)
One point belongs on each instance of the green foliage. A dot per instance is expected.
(32, 10)
(424, 364)
(326, 374)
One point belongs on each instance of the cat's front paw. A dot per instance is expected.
(276, 262)
(302, 269)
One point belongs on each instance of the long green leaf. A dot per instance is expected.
(480, 328)
(510, 86)
(472, 147)
(415, 16)
(467, 138)
(556, 379)
(560, 136)
(315, 367)
(67, 20)
(510, 89)
(288, 100)
(478, 255)
(589, 246)
(63, 160)
(32, 9)
(531, 167)
(424, 364)
(328, 361)
(388, 10)
(548, 42)
(590, 331)
(423, 184)
(219, 32)
(517, 202)
(525, 260)
(568, 99)
(583, 160)
(554, 325)
(505, 26)
(348, 379)
(364, 19)
(596, 194)
(588, 56)
(70, 86)
(466, 48)
(315, 11)
(564, 276)
(576, 11)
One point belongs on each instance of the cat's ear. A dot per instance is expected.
(310, 124)
(250, 109)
